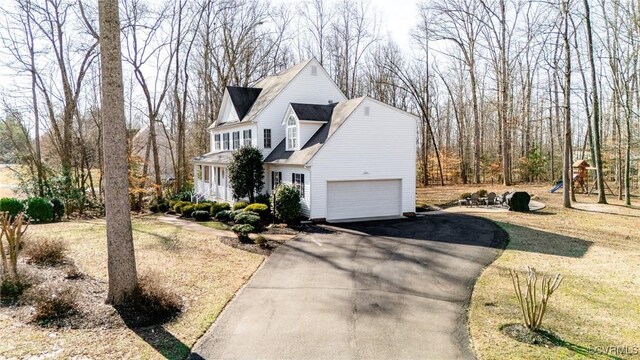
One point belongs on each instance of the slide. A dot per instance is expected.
(556, 188)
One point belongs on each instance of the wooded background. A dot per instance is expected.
(506, 90)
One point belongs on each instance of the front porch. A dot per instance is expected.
(210, 177)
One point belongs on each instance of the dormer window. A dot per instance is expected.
(292, 133)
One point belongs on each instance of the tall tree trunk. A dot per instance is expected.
(595, 127)
(121, 263)
(566, 161)
(476, 123)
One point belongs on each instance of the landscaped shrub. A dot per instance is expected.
(217, 207)
(12, 288)
(287, 207)
(243, 231)
(533, 307)
(46, 252)
(177, 207)
(11, 205)
(203, 206)
(40, 210)
(224, 215)
(163, 207)
(247, 218)
(172, 203)
(482, 192)
(260, 241)
(201, 215)
(260, 209)
(53, 302)
(240, 205)
(187, 210)
(153, 208)
(151, 302)
(58, 209)
(263, 199)
(236, 213)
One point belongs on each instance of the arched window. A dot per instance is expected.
(292, 133)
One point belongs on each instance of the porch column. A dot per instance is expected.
(195, 178)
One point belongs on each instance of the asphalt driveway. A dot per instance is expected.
(377, 290)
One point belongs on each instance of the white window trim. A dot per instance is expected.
(264, 138)
(297, 132)
(250, 138)
(217, 144)
(235, 145)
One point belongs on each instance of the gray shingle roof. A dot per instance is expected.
(314, 112)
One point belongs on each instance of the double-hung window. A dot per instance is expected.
(216, 142)
(292, 133)
(236, 139)
(225, 141)
(267, 138)
(276, 178)
(246, 136)
(298, 181)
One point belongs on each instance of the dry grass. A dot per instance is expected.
(205, 272)
(597, 249)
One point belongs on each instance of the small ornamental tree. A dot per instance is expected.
(246, 171)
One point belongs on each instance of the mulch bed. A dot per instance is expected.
(523, 334)
(266, 249)
(90, 312)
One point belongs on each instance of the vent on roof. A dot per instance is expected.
(330, 102)
(314, 70)
(366, 111)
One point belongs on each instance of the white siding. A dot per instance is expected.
(306, 129)
(305, 88)
(375, 147)
(286, 178)
(228, 112)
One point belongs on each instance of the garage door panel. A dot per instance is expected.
(362, 199)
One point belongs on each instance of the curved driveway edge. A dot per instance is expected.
(387, 289)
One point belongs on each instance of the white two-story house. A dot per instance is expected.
(351, 159)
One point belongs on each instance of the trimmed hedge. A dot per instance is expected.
(240, 205)
(203, 206)
(11, 205)
(177, 207)
(201, 215)
(260, 209)
(187, 210)
(243, 231)
(224, 215)
(247, 218)
(39, 210)
(217, 207)
(235, 213)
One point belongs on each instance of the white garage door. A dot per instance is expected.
(363, 199)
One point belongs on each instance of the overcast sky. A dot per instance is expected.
(397, 18)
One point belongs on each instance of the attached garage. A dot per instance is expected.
(364, 199)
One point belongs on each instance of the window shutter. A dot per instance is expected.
(293, 178)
